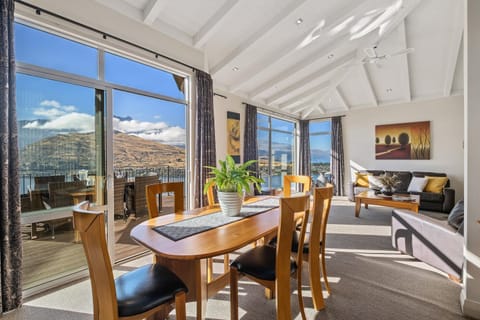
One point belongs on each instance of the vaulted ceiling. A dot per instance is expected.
(311, 58)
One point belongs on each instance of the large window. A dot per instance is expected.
(65, 90)
(320, 146)
(275, 138)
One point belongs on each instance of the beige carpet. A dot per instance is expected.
(369, 280)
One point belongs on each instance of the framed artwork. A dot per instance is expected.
(408, 141)
(233, 135)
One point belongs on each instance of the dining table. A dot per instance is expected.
(187, 257)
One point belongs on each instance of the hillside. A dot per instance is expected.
(75, 150)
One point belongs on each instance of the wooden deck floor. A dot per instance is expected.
(45, 259)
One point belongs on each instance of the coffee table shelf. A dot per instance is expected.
(367, 197)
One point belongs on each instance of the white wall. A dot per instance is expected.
(221, 106)
(470, 296)
(446, 132)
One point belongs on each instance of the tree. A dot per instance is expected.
(403, 139)
(377, 140)
(388, 139)
(394, 140)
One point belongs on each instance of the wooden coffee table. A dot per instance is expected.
(367, 197)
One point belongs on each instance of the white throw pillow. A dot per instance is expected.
(374, 183)
(417, 184)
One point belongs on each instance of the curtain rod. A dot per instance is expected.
(39, 11)
(273, 112)
(220, 95)
(341, 116)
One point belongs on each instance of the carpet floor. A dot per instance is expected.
(368, 280)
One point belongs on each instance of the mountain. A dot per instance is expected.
(76, 151)
(320, 156)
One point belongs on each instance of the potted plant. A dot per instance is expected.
(388, 183)
(231, 180)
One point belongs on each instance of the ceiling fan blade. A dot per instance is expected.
(404, 51)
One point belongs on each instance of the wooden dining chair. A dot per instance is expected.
(272, 267)
(156, 189)
(138, 294)
(226, 257)
(314, 242)
(305, 181)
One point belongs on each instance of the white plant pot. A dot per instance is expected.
(230, 203)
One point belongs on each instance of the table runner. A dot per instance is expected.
(182, 229)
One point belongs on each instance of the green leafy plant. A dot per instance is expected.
(230, 177)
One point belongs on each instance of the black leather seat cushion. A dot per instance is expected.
(145, 288)
(260, 262)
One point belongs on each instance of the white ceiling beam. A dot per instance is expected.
(454, 47)
(312, 77)
(306, 114)
(370, 89)
(353, 9)
(152, 10)
(301, 65)
(367, 40)
(256, 36)
(340, 96)
(404, 62)
(305, 95)
(303, 106)
(213, 24)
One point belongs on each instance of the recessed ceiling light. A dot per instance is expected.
(330, 56)
(235, 69)
(389, 90)
(299, 21)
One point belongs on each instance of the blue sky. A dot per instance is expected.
(67, 106)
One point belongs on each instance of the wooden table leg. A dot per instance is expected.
(358, 205)
(194, 274)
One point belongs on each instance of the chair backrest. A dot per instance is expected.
(91, 226)
(322, 199)
(119, 195)
(152, 190)
(289, 209)
(306, 181)
(140, 195)
(60, 193)
(41, 182)
(211, 194)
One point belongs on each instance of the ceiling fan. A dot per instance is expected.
(373, 57)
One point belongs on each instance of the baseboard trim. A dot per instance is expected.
(470, 308)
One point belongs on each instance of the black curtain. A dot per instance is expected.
(10, 234)
(337, 160)
(204, 136)
(304, 159)
(250, 148)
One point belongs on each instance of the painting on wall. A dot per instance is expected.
(233, 135)
(408, 141)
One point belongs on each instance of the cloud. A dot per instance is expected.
(132, 126)
(78, 122)
(65, 118)
(170, 135)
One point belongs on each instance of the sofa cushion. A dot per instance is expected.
(361, 179)
(404, 178)
(417, 184)
(435, 184)
(374, 183)
(455, 218)
(431, 197)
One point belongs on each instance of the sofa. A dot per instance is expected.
(433, 239)
(442, 200)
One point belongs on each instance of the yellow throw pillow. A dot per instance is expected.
(435, 184)
(361, 179)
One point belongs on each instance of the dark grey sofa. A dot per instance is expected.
(430, 240)
(440, 202)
